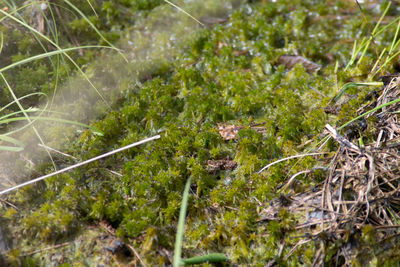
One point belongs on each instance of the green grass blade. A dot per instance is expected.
(394, 43)
(181, 225)
(352, 84)
(390, 59)
(19, 146)
(58, 48)
(22, 97)
(209, 258)
(47, 54)
(54, 32)
(393, 215)
(355, 119)
(15, 12)
(356, 51)
(378, 60)
(380, 19)
(34, 118)
(364, 50)
(3, 118)
(353, 52)
(369, 112)
(26, 115)
(384, 28)
(94, 28)
(1, 41)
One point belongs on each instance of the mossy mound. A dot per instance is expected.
(229, 78)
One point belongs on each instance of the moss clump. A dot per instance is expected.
(227, 74)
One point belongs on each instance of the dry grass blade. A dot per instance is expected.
(291, 157)
(340, 139)
(57, 151)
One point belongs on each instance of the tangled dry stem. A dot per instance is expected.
(361, 189)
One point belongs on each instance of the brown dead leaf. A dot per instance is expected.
(239, 53)
(289, 61)
(211, 21)
(228, 132)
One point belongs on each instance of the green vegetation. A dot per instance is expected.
(227, 74)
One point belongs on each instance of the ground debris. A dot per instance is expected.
(230, 131)
(214, 166)
(360, 197)
(290, 60)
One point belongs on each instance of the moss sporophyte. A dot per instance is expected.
(254, 89)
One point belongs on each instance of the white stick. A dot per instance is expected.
(291, 157)
(80, 164)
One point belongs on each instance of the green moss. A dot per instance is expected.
(227, 74)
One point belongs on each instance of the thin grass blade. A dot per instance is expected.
(34, 118)
(181, 225)
(182, 10)
(19, 146)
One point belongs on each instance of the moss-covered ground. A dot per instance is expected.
(228, 74)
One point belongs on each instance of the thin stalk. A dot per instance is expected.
(59, 48)
(181, 225)
(379, 59)
(180, 9)
(22, 97)
(384, 28)
(365, 50)
(370, 111)
(79, 164)
(95, 29)
(390, 59)
(394, 39)
(26, 115)
(1, 41)
(380, 19)
(19, 146)
(91, 6)
(95, 131)
(47, 54)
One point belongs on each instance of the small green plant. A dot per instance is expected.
(178, 261)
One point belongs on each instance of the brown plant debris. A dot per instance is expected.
(355, 210)
(211, 21)
(230, 131)
(289, 61)
(219, 165)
